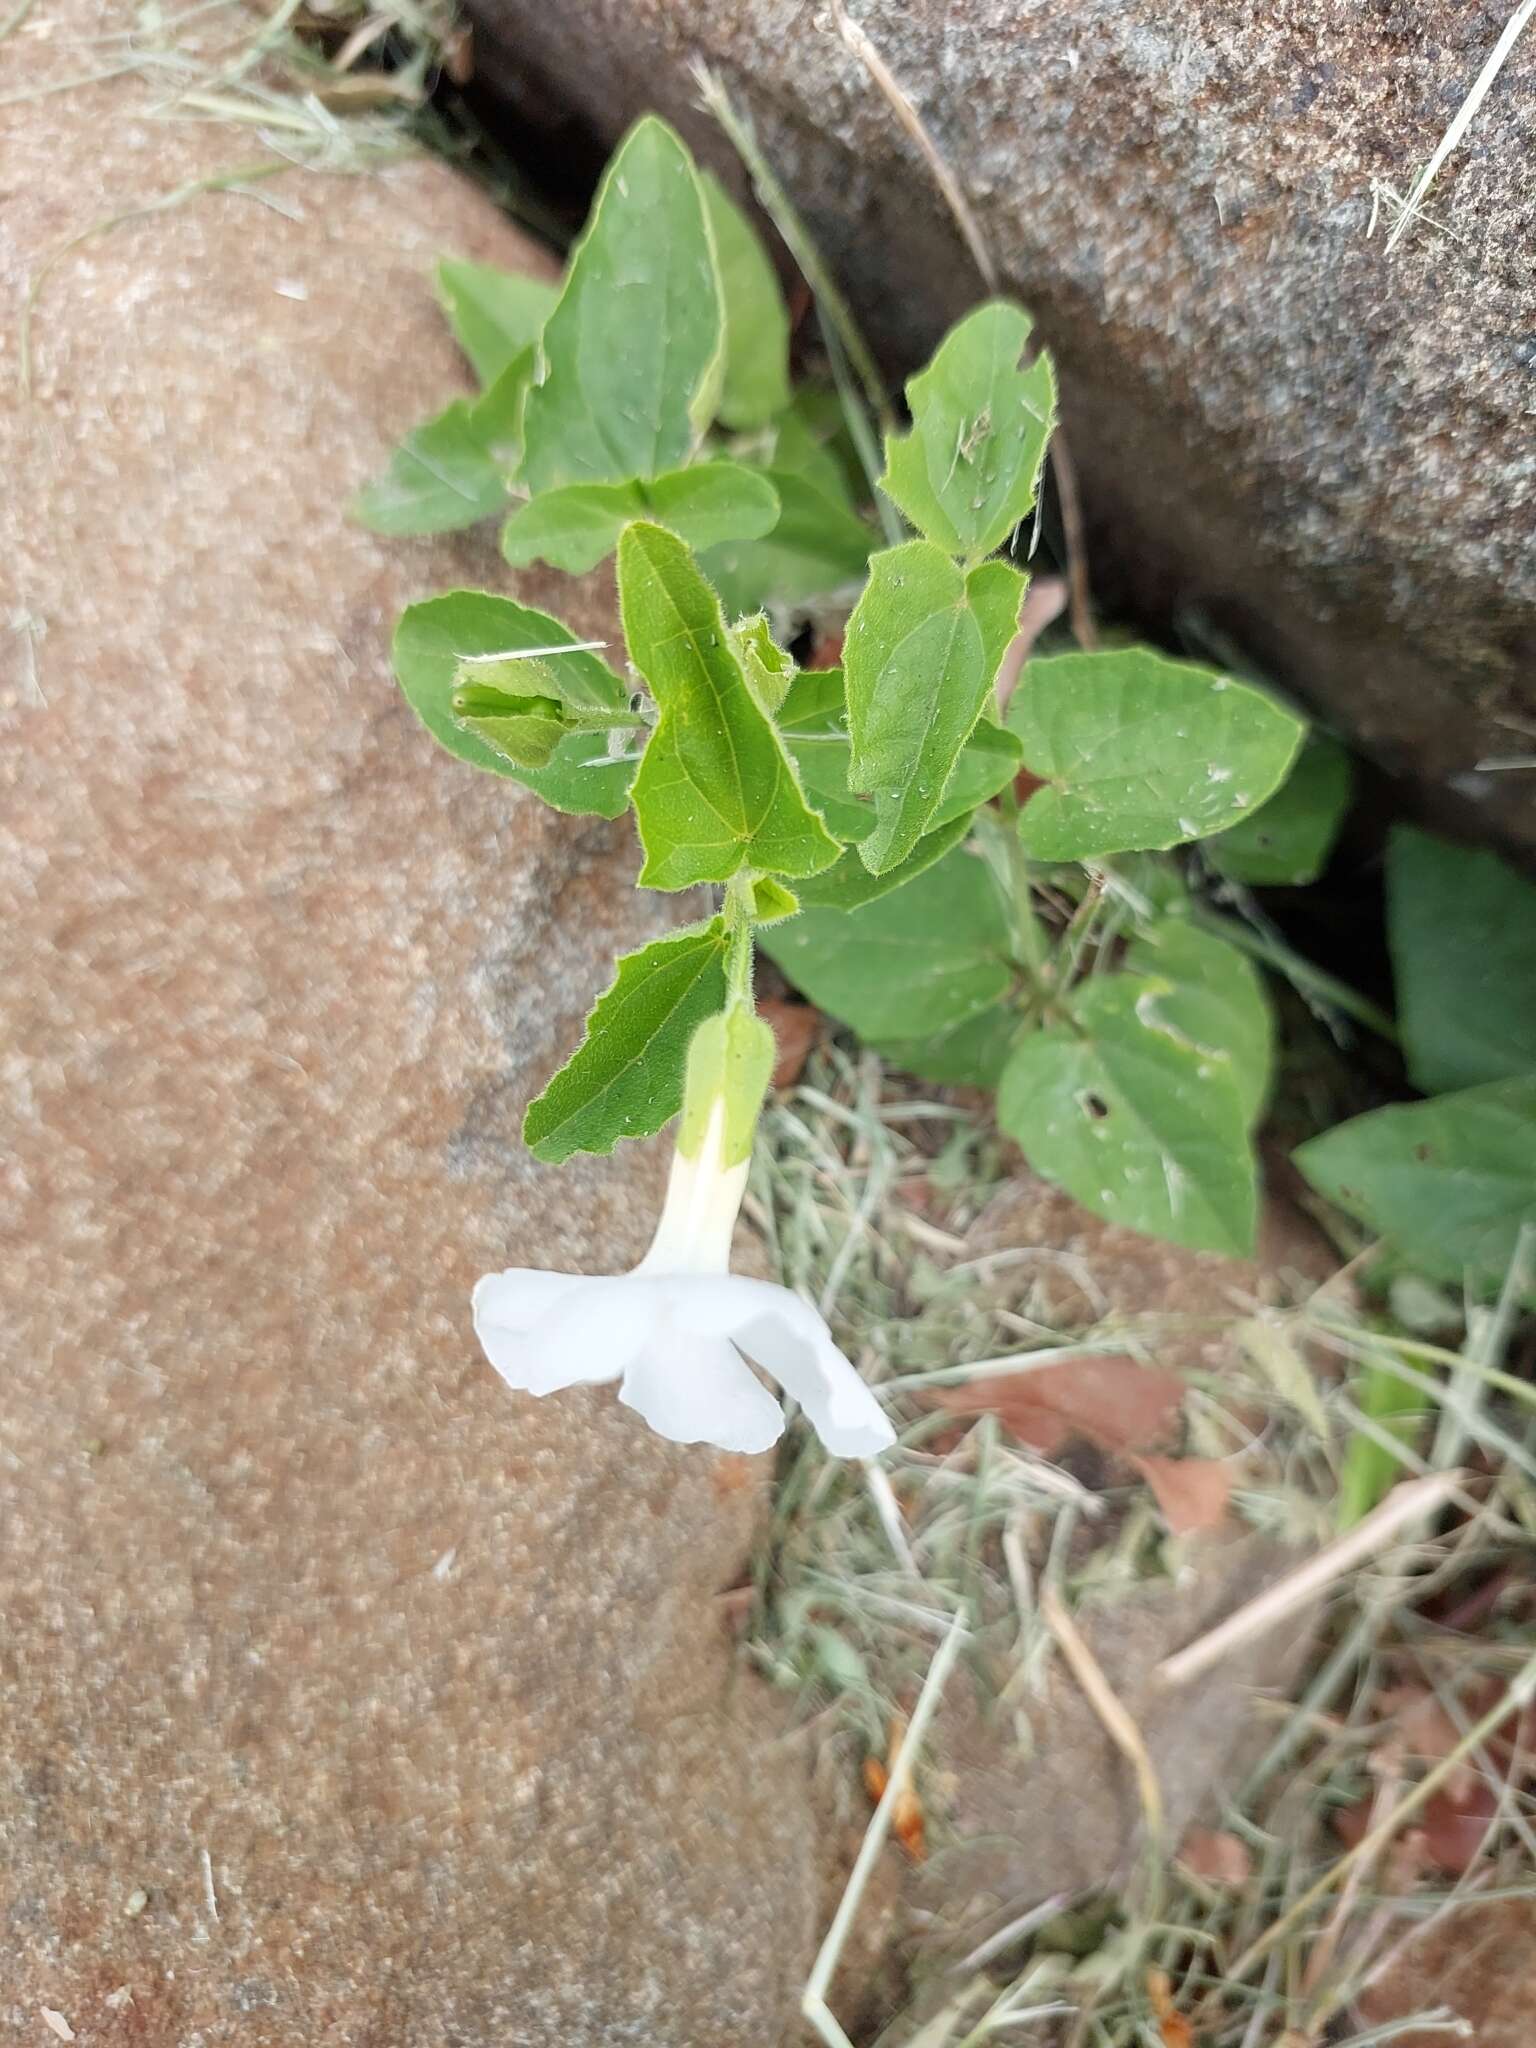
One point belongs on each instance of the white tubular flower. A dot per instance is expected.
(677, 1331)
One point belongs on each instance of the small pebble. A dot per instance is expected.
(137, 1901)
(56, 2023)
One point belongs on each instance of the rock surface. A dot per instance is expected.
(1288, 438)
(345, 1699)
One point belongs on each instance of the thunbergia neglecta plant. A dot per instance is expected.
(676, 1331)
(982, 891)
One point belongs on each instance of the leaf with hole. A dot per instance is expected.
(716, 790)
(919, 658)
(436, 638)
(755, 381)
(1141, 1126)
(1450, 1183)
(625, 1079)
(577, 526)
(1285, 843)
(495, 314)
(1462, 929)
(1136, 752)
(969, 470)
(629, 361)
(918, 962)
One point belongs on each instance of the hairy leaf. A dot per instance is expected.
(848, 884)
(814, 721)
(625, 1079)
(716, 790)
(919, 658)
(435, 638)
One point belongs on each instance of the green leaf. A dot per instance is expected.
(919, 658)
(917, 962)
(630, 359)
(1285, 843)
(848, 884)
(433, 639)
(1210, 998)
(452, 471)
(771, 901)
(811, 438)
(625, 1079)
(441, 477)
(523, 730)
(813, 720)
(730, 1064)
(716, 790)
(574, 528)
(970, 1054)
(1370, 1468)
(1450, 1183)
(995, 593)
(1132, 1120)
(969, 470)
(818, 545)
(495, 314)
(526, 722)
(1137, 752)
(769, 670)
(755, 385)
(1462, 929)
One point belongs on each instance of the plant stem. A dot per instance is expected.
(775, 202)
(1030, 932)
(1299, 970)
(740, 917)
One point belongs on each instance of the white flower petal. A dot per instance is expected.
(514, 1313)
(592, 1333)
(697, 1390)
(789, 1339)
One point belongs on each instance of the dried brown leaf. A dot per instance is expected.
(1218, 1857)
(1193, 1493)
(1114, 1402)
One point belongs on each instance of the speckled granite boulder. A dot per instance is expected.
(344, 1699)
(1287, 436)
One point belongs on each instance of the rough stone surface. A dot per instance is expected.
(1322, 452)
(345, 1698)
